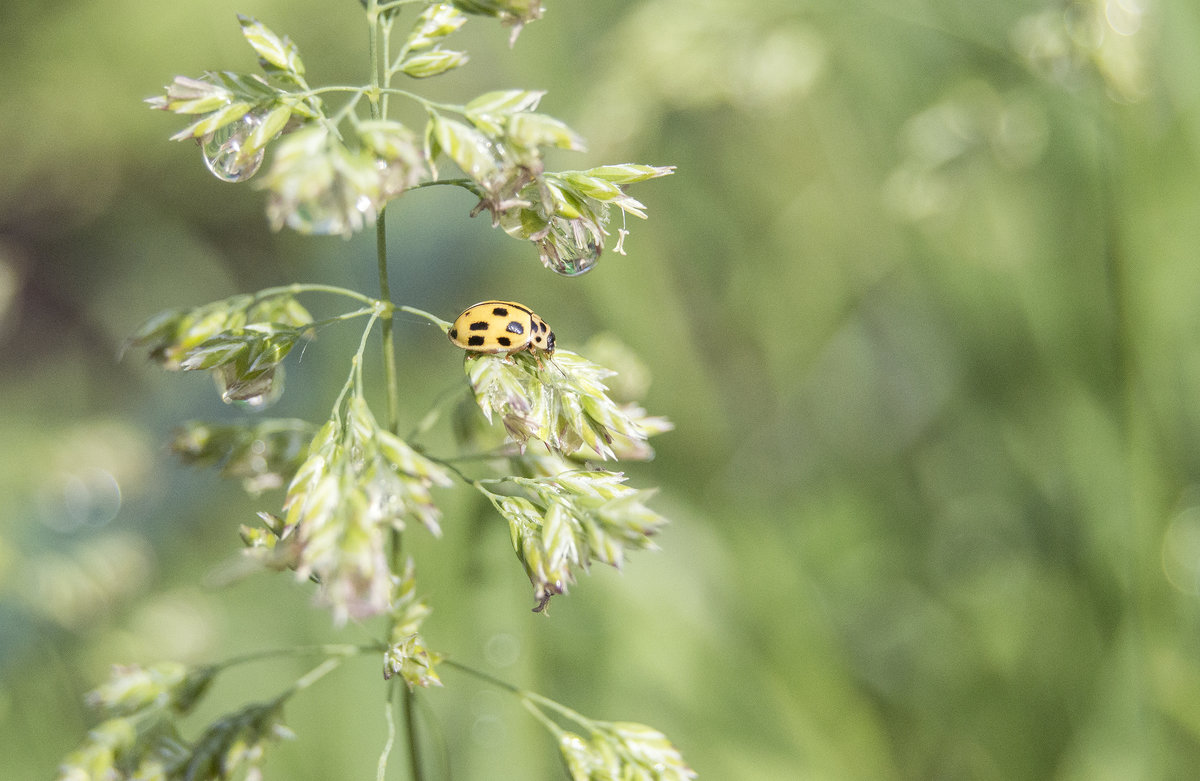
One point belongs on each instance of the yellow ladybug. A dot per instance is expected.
(502, 327)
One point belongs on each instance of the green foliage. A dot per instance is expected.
(623, 750)
(353, 486)
(925, 299)
(571, 518)
(241, 340)
(327, 178)
(562, 403)
(359, 483)
(223, 332)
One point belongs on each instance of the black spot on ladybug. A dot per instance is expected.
(514, 327)
(475, 341)
(542, 326)
(500, 311)
(453, 333)
(504, 341)
(482, 325)
(538, 338)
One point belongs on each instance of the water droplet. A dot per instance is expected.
(262, 401)
(573, 266)
(222, 150)
(570, 247)
(255, 394)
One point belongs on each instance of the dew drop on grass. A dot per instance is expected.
(569, 248)
(258, 394)
(222, 150)
(260, 401)
(574, 266)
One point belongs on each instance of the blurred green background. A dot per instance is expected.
(921, 301)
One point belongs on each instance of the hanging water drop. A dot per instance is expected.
(570, 247)
(222, 150)
(257, 393)
(575, 263)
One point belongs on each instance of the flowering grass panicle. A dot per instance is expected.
(335, 158)
(562, 403)
(358, 483)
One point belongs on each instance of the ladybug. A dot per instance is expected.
(501, 327)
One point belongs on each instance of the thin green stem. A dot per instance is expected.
(409, 700)
(389, 346)
(383, 90)
(481, 482)
(397, 4)
(339, 318)
(426, 102)
(550, 724)
(449, 465)
(381, 768)
(348, 108)
(494, 498)
(378, 111)
(373, 55)
(434, 414)
(310, 98)
(485, 677)
(457, 182)
(341, 397)
(559, 708)
(316, 673)
(297, 288)
(378, 42)
(396, 63)
(362, 349)
(332, 650)
(532, 700)
(309, 678)
(386, 73)
(355, 380)
(329, 88)
(412, 310)
(504, 451)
